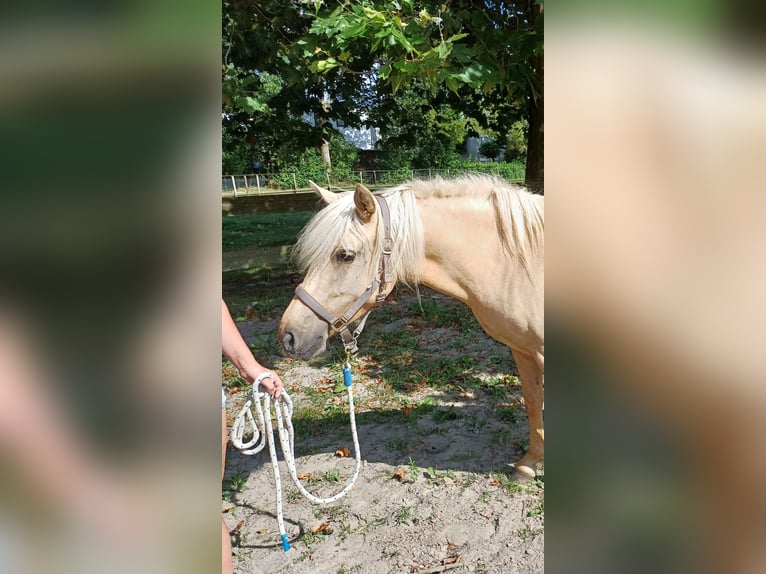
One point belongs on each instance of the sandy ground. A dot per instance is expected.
(448, 510)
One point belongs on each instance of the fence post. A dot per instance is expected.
(247, 187)
(258, 183)
(375, 177)
(295, 183)
(329, 185)
(412, 174)
(429, 174)
(234, 183)
(360, 177)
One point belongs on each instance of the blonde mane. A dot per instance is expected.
(519, 218)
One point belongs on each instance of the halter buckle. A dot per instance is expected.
(388, 245)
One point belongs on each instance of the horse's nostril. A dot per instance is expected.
(288, 342)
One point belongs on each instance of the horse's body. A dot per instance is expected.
(476, 239)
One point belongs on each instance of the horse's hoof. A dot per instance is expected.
(523, 474)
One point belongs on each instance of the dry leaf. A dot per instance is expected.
(400, 475)
(323, 528)
(304, 476)
(343, 452)
(407, 410)
(236, 529)
(452, 559)
(261, 531)
(494, 482)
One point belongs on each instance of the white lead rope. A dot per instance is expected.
(283, 409)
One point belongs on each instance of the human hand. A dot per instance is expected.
(269, 380)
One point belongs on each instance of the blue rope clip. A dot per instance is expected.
(347, 375)
(285, 543)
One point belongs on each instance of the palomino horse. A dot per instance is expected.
(476, 238)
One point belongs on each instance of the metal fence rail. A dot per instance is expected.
(278, 183)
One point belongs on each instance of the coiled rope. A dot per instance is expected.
(263, 433)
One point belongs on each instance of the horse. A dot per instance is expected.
(475, 238)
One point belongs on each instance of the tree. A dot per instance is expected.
(488, 55)
(345, 61)
(417, 130)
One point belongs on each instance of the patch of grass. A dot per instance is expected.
(262, 230)
(436, 474)
(237, 482)
(331, 512)
(292, 495)
(414, 470)
(496, 386)
(538, 509)
(475, 424)
(332, 476)
(259, 293)
(440, 313)
(510, 415)
(528, 533)
(485, 497)
(309, 538)
(403, 515)
(502, 437)
(365, 525)
(444, 415)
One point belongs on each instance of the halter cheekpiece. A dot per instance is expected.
(379, 283)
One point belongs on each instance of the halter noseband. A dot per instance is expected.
(379, 283)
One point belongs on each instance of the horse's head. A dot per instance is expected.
(341, 255)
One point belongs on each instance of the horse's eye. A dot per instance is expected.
(343, 256)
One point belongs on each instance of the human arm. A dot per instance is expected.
(236, 350)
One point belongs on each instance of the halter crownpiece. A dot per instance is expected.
(380, 283)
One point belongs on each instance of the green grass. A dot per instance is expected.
(263, 230)
(261, 294)
(235, 483)
(403, 515)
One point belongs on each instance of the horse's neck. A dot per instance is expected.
(460, 242)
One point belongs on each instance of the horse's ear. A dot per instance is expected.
(364, 202)
(327, 196)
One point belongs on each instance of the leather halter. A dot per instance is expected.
(379, 283)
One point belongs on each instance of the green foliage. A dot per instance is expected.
(490, 149)
(237, 156)
(310, 166)
(418, 132)
(472, 65)
(516, 141)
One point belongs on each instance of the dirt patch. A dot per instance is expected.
(439, 419)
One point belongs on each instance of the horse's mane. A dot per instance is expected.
(519, 218)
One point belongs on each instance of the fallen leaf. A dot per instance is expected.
(261, 531)
(304, 476)
(236, 529)
(322, 528)
(343, 452)
(407, 410)
(494, 482)
(452, 559)
(400, 475)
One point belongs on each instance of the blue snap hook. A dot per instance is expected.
(285, 543)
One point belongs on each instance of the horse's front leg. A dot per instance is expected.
(531, 375)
